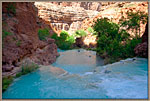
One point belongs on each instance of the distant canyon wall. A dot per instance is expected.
(71, 16)
(67, 15)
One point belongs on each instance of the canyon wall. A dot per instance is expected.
(67, 15)
(72, 16)
(20, 38)
(115, 11)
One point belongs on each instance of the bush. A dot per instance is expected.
(27, 68)
(43, 34)
(5, 34)
(64, 41)
(133, 21)
(11, 8)
(80, 33)
(18, 43)
(129, 47)
(113, 43)
(91, 30)
(6, 81)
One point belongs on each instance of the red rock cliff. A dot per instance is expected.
(21, 22)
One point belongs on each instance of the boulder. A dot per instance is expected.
(57, 71)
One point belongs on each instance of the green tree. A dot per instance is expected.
(43, 34)
(134, 20)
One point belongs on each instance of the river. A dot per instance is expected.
(80, 74)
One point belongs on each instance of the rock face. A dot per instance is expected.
(115, 11)
(20, 36)
(67, 15)
(142, 49)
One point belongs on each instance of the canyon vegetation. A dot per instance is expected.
(33, 32)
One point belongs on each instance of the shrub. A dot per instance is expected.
(18, 43)
(27, 68)
(129, 47)
(54, 36)
(11, 8)
(80, 33)
(5, 34)
(91, 30)
(43, 34)
(64, 41)
(113, 43)
(133, 21)
(6, 81)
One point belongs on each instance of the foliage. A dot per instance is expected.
(18, 43)
(64, 41)
(133, 21)
(113, 43)
(129, 47)
(6, 81)
(80, 33)
(43, 34)
(11, 8)
(27, 68)
(91, 30)
(5, 34)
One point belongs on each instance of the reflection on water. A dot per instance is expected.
(80, 74)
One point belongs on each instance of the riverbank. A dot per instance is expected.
(78, 79)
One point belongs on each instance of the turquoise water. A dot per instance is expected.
(86, 78)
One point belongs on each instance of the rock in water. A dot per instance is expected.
(107, 71)
(57, 71)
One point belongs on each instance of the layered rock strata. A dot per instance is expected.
(67, 15)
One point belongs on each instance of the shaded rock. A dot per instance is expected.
(107, 71)
(7, 68)
(142, 48)
(79, 42)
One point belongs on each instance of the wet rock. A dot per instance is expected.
(134, 59)
(92, 86)
(107, 71)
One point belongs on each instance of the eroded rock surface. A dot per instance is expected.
(67, 15)
(23, 42)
